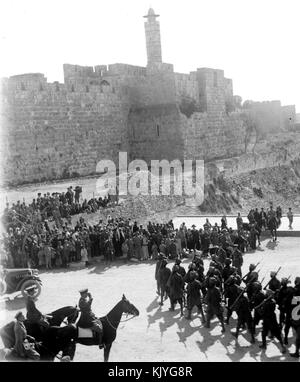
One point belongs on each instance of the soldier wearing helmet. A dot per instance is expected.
(244, 316)
(213, 298)
(251, 270)
(237, 260)
(253, 277)
(257, 298)
(227, 271)
(274, 283)
(194, 297)
(283, 300)
(231, 293)
(270, 323)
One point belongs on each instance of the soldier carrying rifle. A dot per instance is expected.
(270, 324)
(242, 307)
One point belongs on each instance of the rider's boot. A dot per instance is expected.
(223, 327)
(101, 344)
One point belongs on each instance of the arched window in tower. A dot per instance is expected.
(72, 89)
(56, 87)
(215, 79)
(22, 86)
(157, 130)
(87, 89)
(104, 82)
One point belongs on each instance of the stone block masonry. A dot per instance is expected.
(57, 130)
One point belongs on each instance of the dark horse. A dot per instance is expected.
(50, 337)
(56, 338)
(110, 324)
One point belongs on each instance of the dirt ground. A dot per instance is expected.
(158, 334)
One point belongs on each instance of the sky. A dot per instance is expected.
(255, 42)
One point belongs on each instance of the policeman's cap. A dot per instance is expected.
(83, 291)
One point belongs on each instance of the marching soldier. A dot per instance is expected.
(221, 255)
(227, 270)
(270, 323)
(213, 299)
(274, 283)
(283, 300)
(176, 286)
(250, 274)
(244, 317)
(216, 263)
(237, 259)
(250, 280)
(232, 291)
(194, 296)
(257, 298)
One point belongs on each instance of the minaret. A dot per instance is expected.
(153, 44)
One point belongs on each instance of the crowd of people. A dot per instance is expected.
(41, 235)
(31, 240)
(38, 234)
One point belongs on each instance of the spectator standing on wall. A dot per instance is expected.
(290, 217)
(84, 255)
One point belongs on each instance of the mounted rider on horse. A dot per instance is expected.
(87, 318)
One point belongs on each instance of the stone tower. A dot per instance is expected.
(153, 44)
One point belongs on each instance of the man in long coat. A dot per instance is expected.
(176, 285)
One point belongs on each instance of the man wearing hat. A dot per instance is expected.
(181, 269)
(160, 258)
(163, 277)
(88, 319)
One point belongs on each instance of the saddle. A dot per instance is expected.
(90, 332)
(85, 332)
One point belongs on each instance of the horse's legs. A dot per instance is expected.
(106, 352)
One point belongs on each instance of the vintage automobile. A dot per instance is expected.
(20, 279)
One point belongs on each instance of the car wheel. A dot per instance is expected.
(3, 287)
(29, 283)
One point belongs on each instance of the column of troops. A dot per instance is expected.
(224, 286)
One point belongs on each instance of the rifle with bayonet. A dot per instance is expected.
(240, 295)
(246, 275)
(263, 302)
(271, 278)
